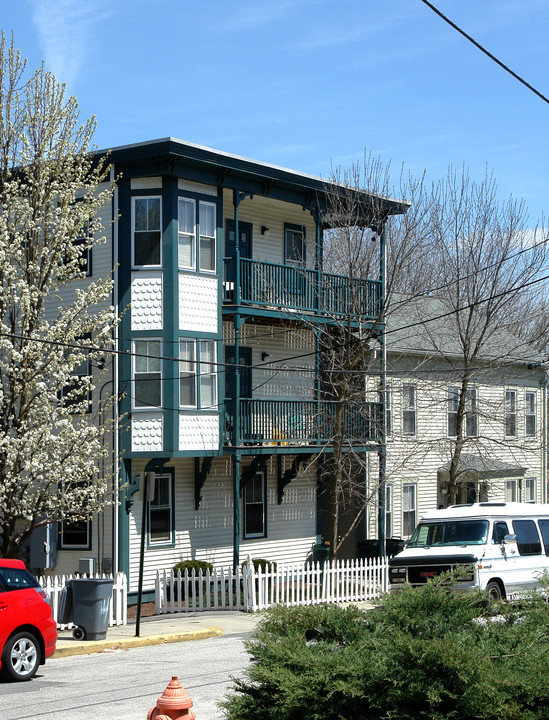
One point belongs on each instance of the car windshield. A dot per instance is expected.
(450, 532)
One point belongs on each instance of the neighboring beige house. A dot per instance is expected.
(504, 456)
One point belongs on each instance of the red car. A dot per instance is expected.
(28, 632)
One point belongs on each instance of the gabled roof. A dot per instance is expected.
(424, 325)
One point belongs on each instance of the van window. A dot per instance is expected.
(499, 532)
(527, 537)
(544, 527)
(451, 532)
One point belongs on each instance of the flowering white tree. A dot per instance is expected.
(53, 319)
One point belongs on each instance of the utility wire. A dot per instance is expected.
(485, 51)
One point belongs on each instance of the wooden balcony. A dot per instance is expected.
(283, 288)
(293, 422)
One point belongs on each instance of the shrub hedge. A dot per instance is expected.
(425, 654)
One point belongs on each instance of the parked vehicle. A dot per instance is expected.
(28, 632)
(502, 548)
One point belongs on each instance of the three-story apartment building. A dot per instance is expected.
(219, 279)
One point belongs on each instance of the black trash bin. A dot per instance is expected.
(91, 599)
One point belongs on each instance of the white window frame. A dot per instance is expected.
(511, 490)
(153, 507)
(409, 492)
(529, 490)
(201, 369)
(530, 413)
(388, 511)
(409, 410)
(511, 411)
(187, 233)
(135, 199)
(203, 236)
(198, 236)
(138, 357)
(471, 409)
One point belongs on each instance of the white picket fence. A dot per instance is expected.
(118, 612)
(250, 590)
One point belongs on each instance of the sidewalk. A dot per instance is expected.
(160, 629)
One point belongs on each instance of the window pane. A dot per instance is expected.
(527, 537)
(294, 247)
(187, 373)
(207, 219)
(147, 390)
(187, 395)
(186, 216)
(254, 500)
(140, 209)
(160, 524)
(147, 248)
(185, 251)
(207, 253)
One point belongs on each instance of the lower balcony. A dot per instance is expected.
(286, 288)
(294, 422)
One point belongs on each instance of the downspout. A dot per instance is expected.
(116, 419)
(382, 453)
(237, 197)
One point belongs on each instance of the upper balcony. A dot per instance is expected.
(293, 423)
(278, 289)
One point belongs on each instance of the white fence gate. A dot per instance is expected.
(118, 612)
(248, 589)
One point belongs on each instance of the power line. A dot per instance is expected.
(485, 51)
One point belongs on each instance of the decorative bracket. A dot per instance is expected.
(156, 465)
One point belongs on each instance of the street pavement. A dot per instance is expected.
(170, 628)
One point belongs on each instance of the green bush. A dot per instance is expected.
(265, 565)
(425, 654)
(191, 565)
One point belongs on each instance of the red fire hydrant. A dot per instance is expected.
(173, 704)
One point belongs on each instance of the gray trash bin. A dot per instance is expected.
(91, 599)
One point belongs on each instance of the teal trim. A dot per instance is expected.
(170, 331)
(147, 596)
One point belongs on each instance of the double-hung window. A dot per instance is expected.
(161, 511)
(147, 234)
(408, 509)
(510, 413)
(470, 424)
(529, 490)
(196, 222)
(147, 374)
(254, 507)
(511, 490)
(530, 415)
(388, 511)
(197, 361)
(409, 410)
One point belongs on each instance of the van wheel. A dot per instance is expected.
(21, 657)
(494, 591)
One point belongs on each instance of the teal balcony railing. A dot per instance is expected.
(283, 287)
(296, 422)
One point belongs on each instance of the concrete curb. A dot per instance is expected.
(98, 646)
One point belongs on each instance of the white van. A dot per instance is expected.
(505, 545)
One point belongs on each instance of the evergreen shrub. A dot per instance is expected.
(425, 654)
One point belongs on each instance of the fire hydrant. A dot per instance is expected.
(173, 704)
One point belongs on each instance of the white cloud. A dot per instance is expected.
(66, 30)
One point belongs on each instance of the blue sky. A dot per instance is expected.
(309, 84)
